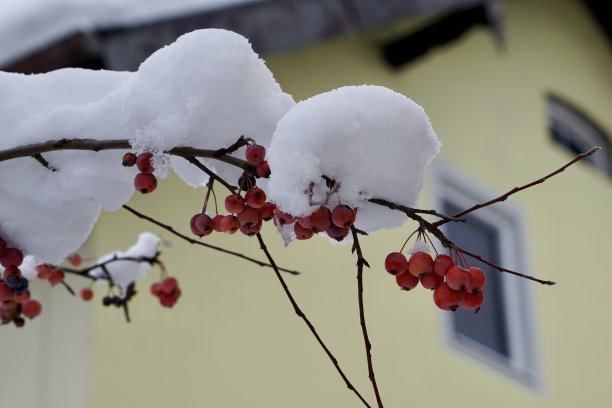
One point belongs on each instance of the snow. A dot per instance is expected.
(371, 140)
(28, 25)
(205, 90)
(123, 273)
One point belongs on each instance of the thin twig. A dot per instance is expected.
(515, 190)
(242, 141)
(170, 229)
(39, 158)
(193, 160)
(301, 314)
(361, 262)
(414, 211)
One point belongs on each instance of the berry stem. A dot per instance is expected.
(170, 229)
(361, 261)
(312, 329)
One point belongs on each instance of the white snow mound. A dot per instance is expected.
(205, 90)
(371, 140)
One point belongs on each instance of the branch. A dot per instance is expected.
(368, 346)
(211, 174)
(515, 190)
(170, 229)
(117, 144)
(409, 211)
(301, 314)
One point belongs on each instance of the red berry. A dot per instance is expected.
(6, 293)
(396, 263)
(263, 169)
(56, 276)
(145, 183)
(156, 289)
(168, 300)
(446, 298)
(230, 224)
(442, 263)
(235, 204)
(3, 246)
(251, 230)
(477, 279)
(337, 233)
(10, 271)
(43, 271)
(143, 162)
(472, 301)
(255, 154)
(249, 217)
(86, 294)
(255, 197)
(201, 224)
(406, 281)
(457, 278)
(430, 280)
(23, 297)
(168, 285)
(75, 259)
(266, 211)
(319, 220)
(282, 217)
(12, 256)
(31, 308)
(343, 216)
(302, 233)
(129, 159)
(216, 223)
(420, 263)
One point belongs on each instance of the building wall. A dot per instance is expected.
(233, 340)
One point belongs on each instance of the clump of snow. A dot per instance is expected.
(205, 90)
(371, 140)
(419, 246)
(124, 272)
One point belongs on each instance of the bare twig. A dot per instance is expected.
(39, 158)
(515, 190)
(242, 141)
(170, 229)
(301, 314)
(361, 262)
(414, 211)
(193, 160)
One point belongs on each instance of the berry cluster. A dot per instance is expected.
(51, 273)
(453, 285)
(167, 290)
(145, 181)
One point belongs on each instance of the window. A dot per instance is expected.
(502, 334)
(578, 133)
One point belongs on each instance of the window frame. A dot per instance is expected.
(508, 220)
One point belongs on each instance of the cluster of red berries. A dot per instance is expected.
(167, 290)
(335, 223)
(15, 302)
(453, 285)
(246, 213)
(145, 181)
(51, 273)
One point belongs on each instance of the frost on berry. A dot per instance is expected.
(420, 263)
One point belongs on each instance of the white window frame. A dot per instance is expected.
(509, 222)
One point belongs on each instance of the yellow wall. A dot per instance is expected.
(233, 340)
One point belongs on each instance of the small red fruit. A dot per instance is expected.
(216, 223)
(255, 154)
(43, 271)
(302, 233)
(406, 281)
(168, 285)
(343, 216)
(420, 263)
(145, 183)
(143, 162)
(86, 294)
(11, 257)
(251, 230)
(282, 218)
(250, 216)
(473, 301)
(263, 170)
(442, 263)
(396, 263)
(230, 224)
(266, 211)
(457, 278)
(255, 197)
(6, 293)
(235, 204)
(23, 297)
(319, 220)
(337, 233)
(446, 298)
(75, 260)
(201, 224)
(10, 271)
(430, 280)
(31, 308)
(56, 276)
(477, 279)
(129, 159)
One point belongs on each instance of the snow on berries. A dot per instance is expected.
(452, 284)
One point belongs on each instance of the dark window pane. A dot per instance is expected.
(488, 326)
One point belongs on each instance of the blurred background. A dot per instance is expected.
(513, 88)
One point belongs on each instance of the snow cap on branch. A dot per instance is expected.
(370, 140)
